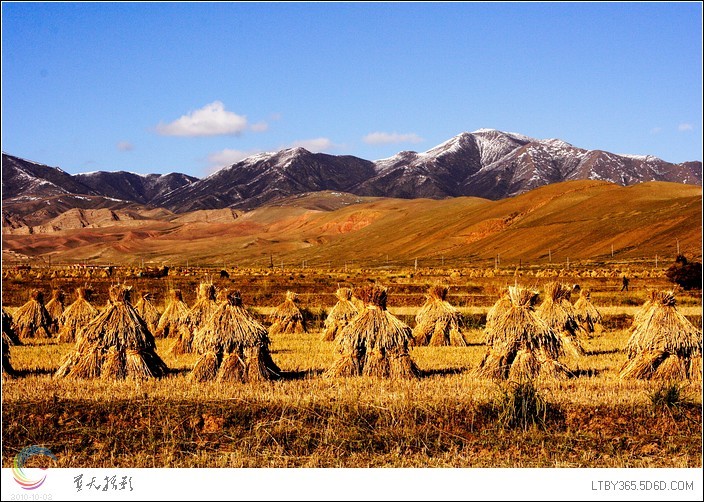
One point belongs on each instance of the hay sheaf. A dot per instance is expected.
(175, 315)
(438, 323)
(557, 311)
(233, 345)
(340, 315)
(522, 346)
(76, 316)
(663, 344)
(588, 316)
(497, 310)
(287, 318)
(32, 320)
(115, 345)
(55, 307)
(148, 311)
(374, 343)
(8, 332)
(8, 337)
(198, 315)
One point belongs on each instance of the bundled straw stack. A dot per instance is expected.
(117, 344)
(76, 315)
(437, 322)
(148, 311)
(55, 307)
(663, 344)
(8, 331)
(521, 345)
(643, 312)
(374, 343)
(340, 315)
(175, 315)
(8, 337)
(32, 320)
(233, 345)
(557, 311)
(199, 314)
(497, 309)
(587, 314)
(287, 318)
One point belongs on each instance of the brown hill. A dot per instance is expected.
(578, 220)
(226, 215)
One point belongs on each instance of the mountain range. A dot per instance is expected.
(486, 163)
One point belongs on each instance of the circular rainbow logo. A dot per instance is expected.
(18, 466)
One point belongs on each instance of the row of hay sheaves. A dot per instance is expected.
(524, 340)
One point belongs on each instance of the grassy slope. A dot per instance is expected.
(575, 220)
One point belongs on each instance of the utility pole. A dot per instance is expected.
(612, 250)
(415, 266)
(549, 256)
(678, 247)
(568, 263)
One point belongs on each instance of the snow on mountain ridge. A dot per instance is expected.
(644, 158)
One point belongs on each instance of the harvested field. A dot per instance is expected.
(445, 418)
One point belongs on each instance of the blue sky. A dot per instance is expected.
(190, 87)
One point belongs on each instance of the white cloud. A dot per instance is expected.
(259, 127)
(685, 127)
(656, 130)
(385, 138)
(313, 145)
(211, 120)
(125, 146)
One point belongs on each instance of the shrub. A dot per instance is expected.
(520, 406)
(688, 275)
(667, 395)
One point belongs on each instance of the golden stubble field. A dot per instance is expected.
(446, 418)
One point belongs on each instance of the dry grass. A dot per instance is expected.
(447, 418)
